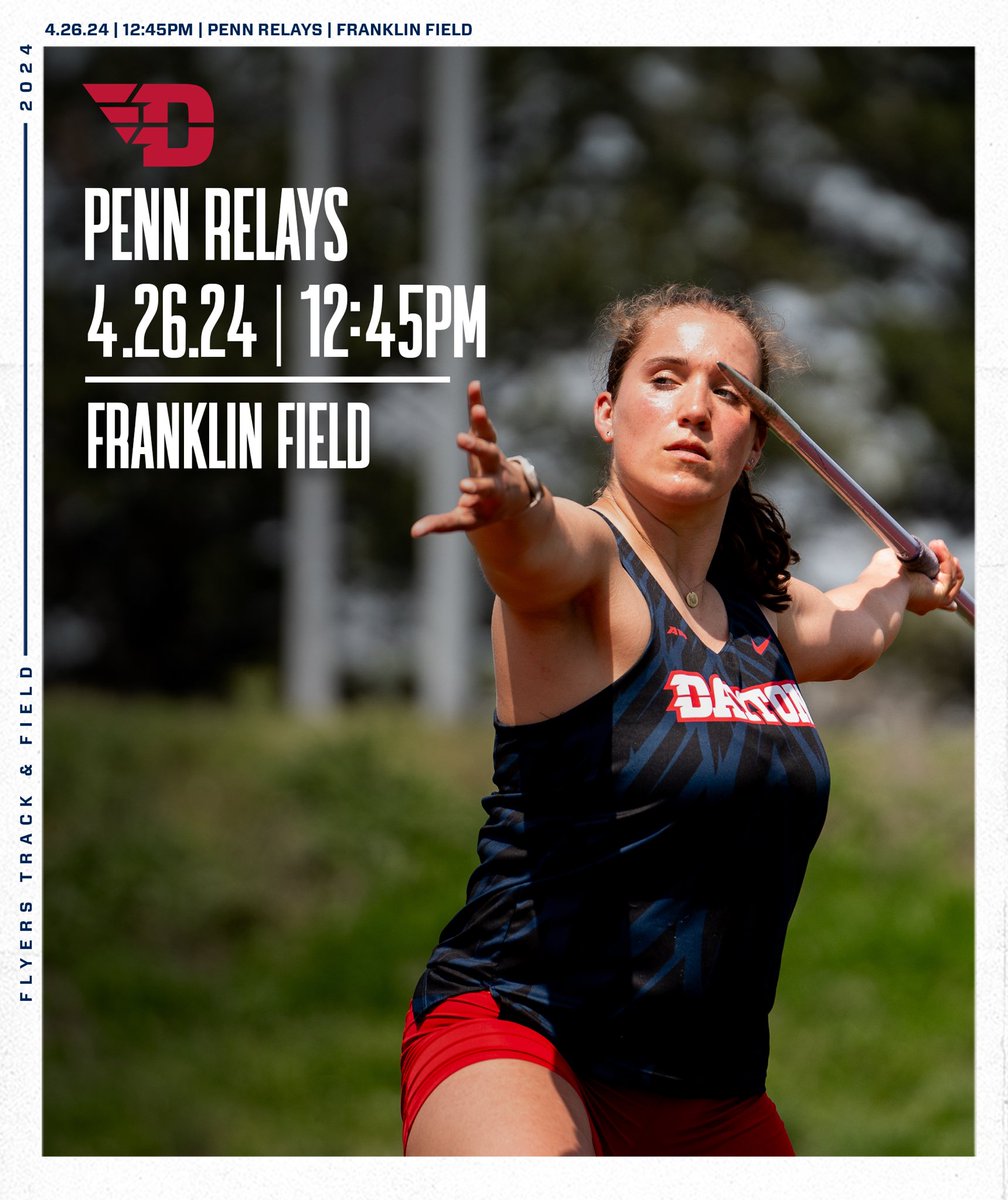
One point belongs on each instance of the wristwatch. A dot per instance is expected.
(531, 478)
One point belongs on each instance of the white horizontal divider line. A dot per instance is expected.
(267, 379)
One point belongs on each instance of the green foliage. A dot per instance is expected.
(942, 395)
(237, 907)
(873, 1039)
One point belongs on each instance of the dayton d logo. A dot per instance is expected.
(139, 113)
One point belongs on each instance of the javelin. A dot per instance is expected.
(911, 551)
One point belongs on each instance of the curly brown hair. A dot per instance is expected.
(754, 548)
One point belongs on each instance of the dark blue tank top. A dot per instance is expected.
(641, 858)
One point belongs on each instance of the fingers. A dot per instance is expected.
(483, 489)
(479, 419)
(940, 591)
(460, 518)
(480, 442)
(479, 503)
(485, 456)
(475, 487)
(950, 577)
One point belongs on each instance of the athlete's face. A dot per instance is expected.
(680, 432)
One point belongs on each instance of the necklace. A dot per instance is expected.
(692, 595)
(692, 599)
(688, 594)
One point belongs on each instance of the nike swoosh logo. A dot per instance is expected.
(759, 647)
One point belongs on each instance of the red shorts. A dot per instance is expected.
(624, 1122)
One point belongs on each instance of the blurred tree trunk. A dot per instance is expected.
(446, 569)
(310, 650)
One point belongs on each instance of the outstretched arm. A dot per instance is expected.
(839, 633)
(495, 488)
(537, 559)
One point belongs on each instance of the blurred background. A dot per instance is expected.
(268, 711)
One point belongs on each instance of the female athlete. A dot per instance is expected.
(659, 779)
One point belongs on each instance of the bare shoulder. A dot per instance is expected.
(550, 657)
(804, 599)
(803, 629)
(772, 618)
(588, 530)
(543, 565)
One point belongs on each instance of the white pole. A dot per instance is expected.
(446, 567)
(310, 623)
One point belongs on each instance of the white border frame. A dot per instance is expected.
(25, 1172)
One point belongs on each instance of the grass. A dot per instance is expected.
(873, 1030)
(237, 907)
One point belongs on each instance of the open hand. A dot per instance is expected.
(494, 489)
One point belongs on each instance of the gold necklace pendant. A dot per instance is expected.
(692, 597)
